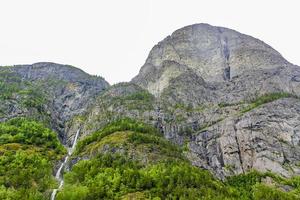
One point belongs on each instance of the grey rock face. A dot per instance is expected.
(216, 54)
(198, 69)
(265, 139)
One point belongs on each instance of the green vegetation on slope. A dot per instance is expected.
(123, 171)
(125, 124)
(136, 98)
(253, 187)
(22, 97)
(111, 176)
(9, 83)
(119, 101)
(13, 87)
(130, 160)
(24, 131)
(267, 98)
(28, 151)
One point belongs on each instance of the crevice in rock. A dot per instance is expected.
(205, 143)
(239, 148)
(285, 159)
(252, 149)
(221, 157)
(227, 73)
(226, 54)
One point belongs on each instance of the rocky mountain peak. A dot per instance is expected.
(214, 53)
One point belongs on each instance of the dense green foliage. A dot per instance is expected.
(251, 186)
(21, 130)
(125, 124)
(111, 176)
(140, 95)
(27, 153)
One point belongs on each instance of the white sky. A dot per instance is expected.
(112, 38)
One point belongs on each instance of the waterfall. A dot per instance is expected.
(58, 175)
(70, 151)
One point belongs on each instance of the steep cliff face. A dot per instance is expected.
(265, 139)
(48, 91)
(228, 98)
(238, 97)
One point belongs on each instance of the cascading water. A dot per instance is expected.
(58, 174)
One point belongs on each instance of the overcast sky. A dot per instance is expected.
(112, 38)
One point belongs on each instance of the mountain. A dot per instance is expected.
(239, 81)
(212, 114)
(216, 91)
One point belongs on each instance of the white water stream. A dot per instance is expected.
(58, 174)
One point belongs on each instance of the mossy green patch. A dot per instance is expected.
(267, 98)
(112, 140)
